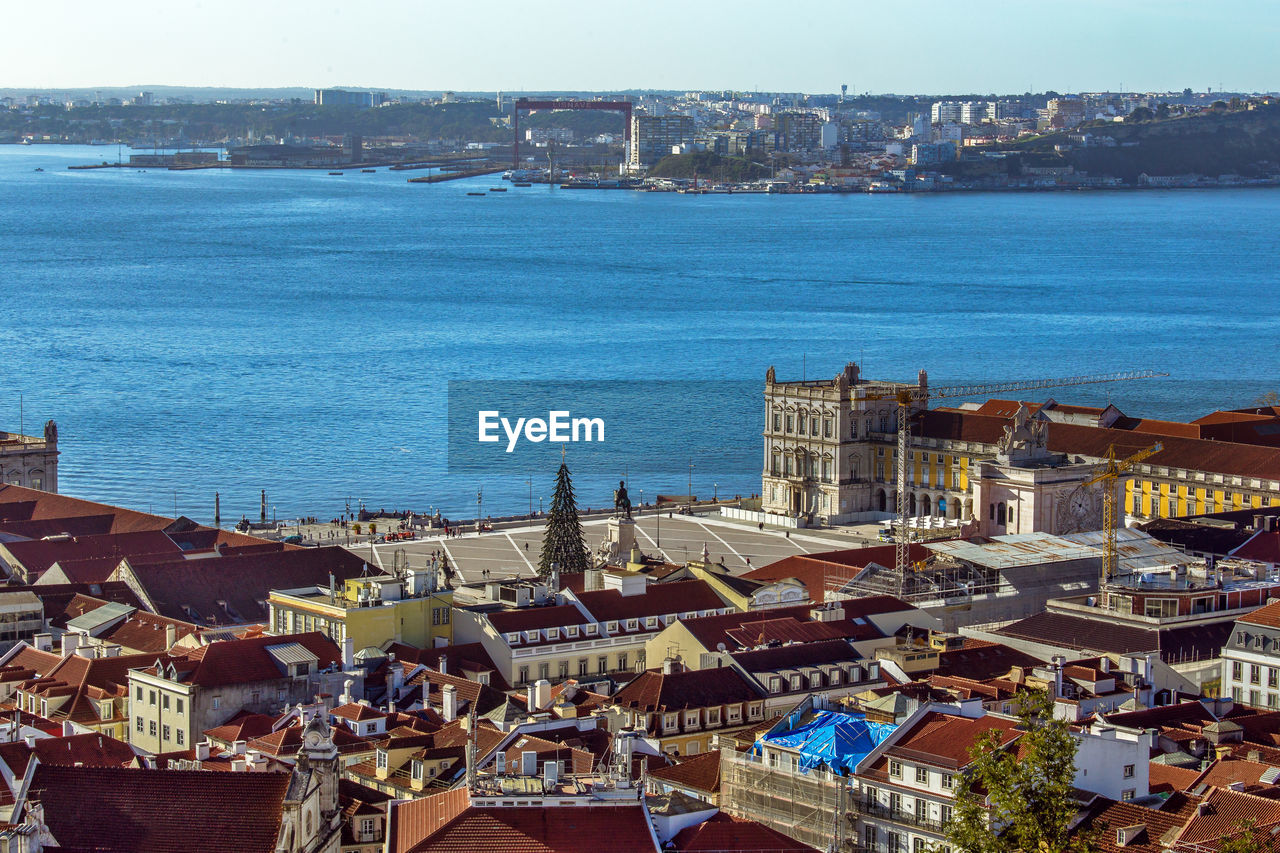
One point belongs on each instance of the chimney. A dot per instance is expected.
(1058, 661)
(202, 750)
(539, 696)
(449, 701)
(672, 666)
(1104, 664)
(442, 664)
(43, 642)
(238, 747)
(345, 698)
(170, 635)
(528, 763)
(348, 653)
(555, 578)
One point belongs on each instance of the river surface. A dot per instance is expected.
(295, 331)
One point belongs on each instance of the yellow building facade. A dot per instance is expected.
(369, 611)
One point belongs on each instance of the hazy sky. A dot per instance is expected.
(925, 46)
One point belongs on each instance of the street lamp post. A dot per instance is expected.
(530, 482)
(691, 483)
(715, 497)
(539, 506)
(479, 508)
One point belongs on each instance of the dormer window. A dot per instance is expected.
(571, 631)
(833, 677)
(382, 759)
(416, 771)
(756, 710)
(651, 622)
(591, 629)
(611, 627)
(513, 638)
(531, 636)
(553, 633)
(775, 684)
(632, 624)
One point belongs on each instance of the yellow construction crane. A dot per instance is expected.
(1109, 475)
(909, 397)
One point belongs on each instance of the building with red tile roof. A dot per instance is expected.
(597, 637)
(823, 572)
(112, 809)
(560, 821)
(683, 710)
(695, 775)
(175, 697)
(232, 589)
(724, 832)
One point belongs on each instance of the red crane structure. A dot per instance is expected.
(525, 104)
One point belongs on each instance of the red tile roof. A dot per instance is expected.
(608, 605)
(122, 811)
(1104, 817)
(1263, 546)
(796, 655)
(710, 631)
(90, 750)
(43, 505)
(724, 833)
(535, 618)
(38, 555)
(699, 772)
(946, 739)
(523, 829)
(1225, 812)
(1222, 457)
(246, 661)
(819, 571)
(232, 590)
(706, 688)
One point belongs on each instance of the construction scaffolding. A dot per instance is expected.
(811, 807)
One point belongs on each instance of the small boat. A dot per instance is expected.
(38, 169)
(523, 184)
(497, 189)
(475, 193)
(368, 171)
(335, 173)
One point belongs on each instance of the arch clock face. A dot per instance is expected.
(1079, 511)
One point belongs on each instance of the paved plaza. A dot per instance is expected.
(514, 552)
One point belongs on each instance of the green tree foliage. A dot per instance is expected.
(1140, 114)
(1246, 840)
(1019, 797)
(1271, 398)
(562, 540)
(708, 166)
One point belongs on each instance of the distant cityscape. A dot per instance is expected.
(693, 141)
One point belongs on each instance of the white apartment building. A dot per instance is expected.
(1251, 659)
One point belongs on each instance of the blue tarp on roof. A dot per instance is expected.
(838, 741)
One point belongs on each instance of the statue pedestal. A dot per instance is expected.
(619, 539)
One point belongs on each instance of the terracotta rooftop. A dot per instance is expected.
(819, 571)
(608, 605)
(524, 829)
(699, 772)
(121, 811)
(945, 739)
(1226, 812)
(652, 691)
(245, 661)
(22, 504)
(232, 590)
(724, 833)
(1197, 454)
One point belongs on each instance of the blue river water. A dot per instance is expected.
(295, 331)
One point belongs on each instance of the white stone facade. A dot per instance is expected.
(30, 461)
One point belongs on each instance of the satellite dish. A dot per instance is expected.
(720, 647)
